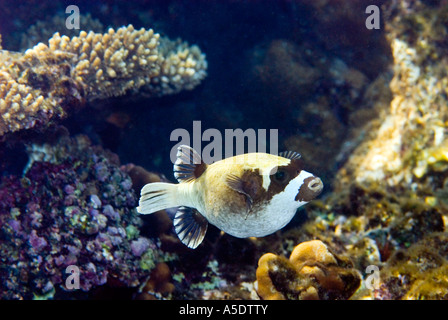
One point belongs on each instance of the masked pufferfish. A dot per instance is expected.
(248, 195)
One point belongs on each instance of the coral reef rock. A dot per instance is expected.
(408, 143)
(388, 205)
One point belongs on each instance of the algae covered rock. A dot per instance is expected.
(76, 208)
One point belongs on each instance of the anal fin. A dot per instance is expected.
(190, 226)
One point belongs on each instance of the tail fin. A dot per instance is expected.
(157, 196)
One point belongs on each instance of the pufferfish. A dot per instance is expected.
(248, 195)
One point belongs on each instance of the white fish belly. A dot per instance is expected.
(255, 224)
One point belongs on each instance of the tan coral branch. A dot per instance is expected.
(46, 82)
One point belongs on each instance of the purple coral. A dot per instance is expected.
(73, 212)
(139, 246)
(37, 243)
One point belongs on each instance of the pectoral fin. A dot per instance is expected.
(244, 187)
(190, 226)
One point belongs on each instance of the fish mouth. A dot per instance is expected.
(310, 189)
(316, 186)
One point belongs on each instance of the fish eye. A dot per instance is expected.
(280, 175)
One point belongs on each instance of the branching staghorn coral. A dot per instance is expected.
(182, 68)
(36, 87)
(112, 63)
(43, 30)
(45, 82)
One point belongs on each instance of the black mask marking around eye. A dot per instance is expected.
(281, 175)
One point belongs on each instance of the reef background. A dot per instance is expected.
(367, 109)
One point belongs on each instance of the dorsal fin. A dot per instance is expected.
(189, 164)
(290, 155)
(190, 226)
